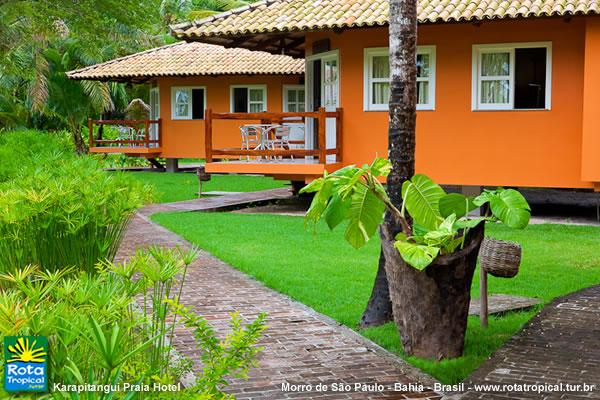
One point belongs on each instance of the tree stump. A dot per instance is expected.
(203, 176)
(431, 307)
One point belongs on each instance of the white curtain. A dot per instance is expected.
(496, 65)
(182, 99)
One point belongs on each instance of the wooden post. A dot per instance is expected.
(159, 132)
(483, 299)
(322, 139)
(91, 131)
(147, 135)
(339, 134)
(208, 135)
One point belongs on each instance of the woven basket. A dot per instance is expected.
(500, 258)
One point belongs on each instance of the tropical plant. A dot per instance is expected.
(230, 357)
(39, 41)
(60, 210)
(99, 335)
(433, 232)
(440, 221)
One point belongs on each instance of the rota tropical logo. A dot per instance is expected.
(25, 359)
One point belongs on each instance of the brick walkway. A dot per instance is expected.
(301, 346)
(561, 344)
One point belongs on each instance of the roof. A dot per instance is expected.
(285, 16)
(189, 59)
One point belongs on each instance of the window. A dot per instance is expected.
(294, 99)
(188, 102)
(377, 78)
(249, 98)
(512, 77)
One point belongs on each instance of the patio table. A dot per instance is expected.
(264, 133)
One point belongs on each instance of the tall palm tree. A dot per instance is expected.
(69, 102)
(401, 141)
(430, 307)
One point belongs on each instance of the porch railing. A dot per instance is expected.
(320, 151)
(128, 133)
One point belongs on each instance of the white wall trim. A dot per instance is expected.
(479, 49)
(369, 52)
(263, 87)
(189, 116)
(284, 95)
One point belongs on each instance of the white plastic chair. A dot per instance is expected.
(279, 138)
(251, 138)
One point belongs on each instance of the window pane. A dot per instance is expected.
(182, 96)
(197, 103)
(423, 92)
(181, 110)
(256, 107)
(423, 65)
(530, 78)
(240, 100)
(381, 93)
(292, 107)
(256, 95)
(301, 95)
(301, 107)
(495, 64)
(330, 71)
(495, 92)
(291, 95)
(381, 67)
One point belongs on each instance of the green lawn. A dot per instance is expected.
(328, 275)
(170, 187)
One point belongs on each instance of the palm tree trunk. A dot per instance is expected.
(401, 141)
(379, 307)
(80, 145)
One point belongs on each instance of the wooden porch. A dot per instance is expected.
(130, 137)
(298, 161)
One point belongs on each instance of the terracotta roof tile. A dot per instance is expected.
(300, 15)
(186, 59)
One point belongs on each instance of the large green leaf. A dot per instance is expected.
(421, 198)
(320, 201)
(314, 186)
(510, 207)
(380, 167)
(456, 203)
(337, 210)
(416, 255)
(365, 214)
(443, 236)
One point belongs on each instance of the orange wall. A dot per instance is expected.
(590, 169)
(185, 138)
(458, 146)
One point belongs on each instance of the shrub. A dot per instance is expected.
(61, 210)
(97, 334)
(22, 149)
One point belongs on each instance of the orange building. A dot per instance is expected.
(185, 79)
(508, 93)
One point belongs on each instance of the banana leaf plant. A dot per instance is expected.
(433, 222)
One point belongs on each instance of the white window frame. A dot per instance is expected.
(479, 49)
(262, 87)
(174, 89)
(371, 52)
(286, 88)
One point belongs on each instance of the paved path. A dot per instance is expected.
(561, 344)
(301, 346)
(219, 202)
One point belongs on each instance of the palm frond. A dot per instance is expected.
(38, 91)
(98, 94)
